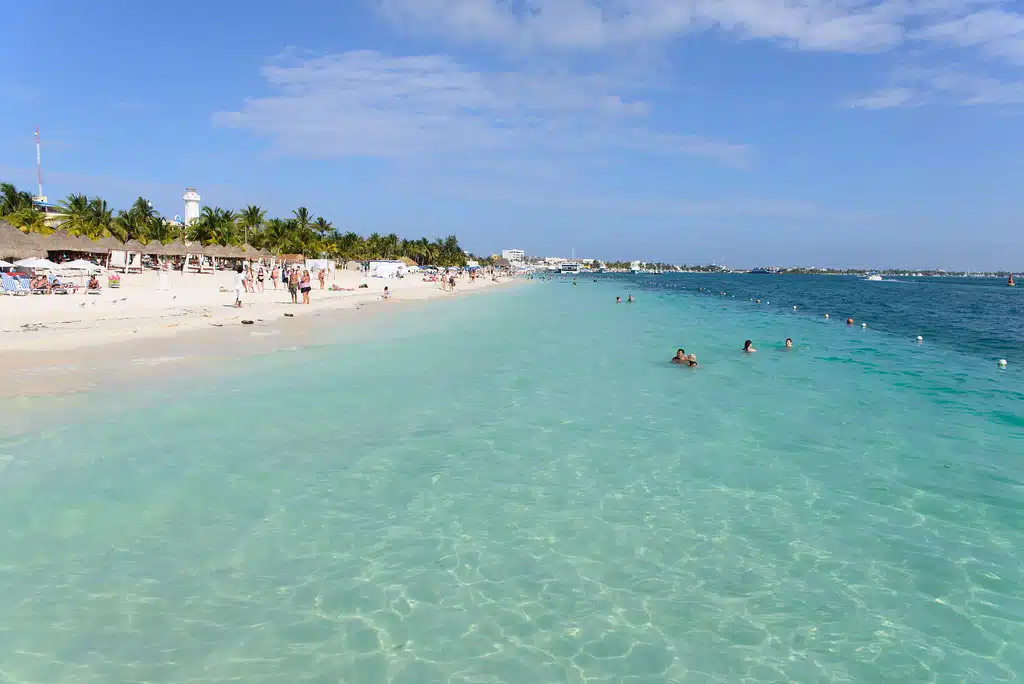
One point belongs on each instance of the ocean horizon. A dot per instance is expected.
(520, 488)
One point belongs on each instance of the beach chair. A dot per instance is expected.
(12, 285)
(38, 290)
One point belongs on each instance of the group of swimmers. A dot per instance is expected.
(618, 300)
(690, 360)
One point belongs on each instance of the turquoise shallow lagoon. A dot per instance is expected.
(518, 488)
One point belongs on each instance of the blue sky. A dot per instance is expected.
(818, 132)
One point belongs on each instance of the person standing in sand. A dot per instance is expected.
(321, 276)
(293, 285)
(260, 275)
(305, 285)
(274, 275)
(239, 287)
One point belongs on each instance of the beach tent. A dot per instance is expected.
(353, 266)
(199, 259)
(387, 269)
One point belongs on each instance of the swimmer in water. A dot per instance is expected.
(630, 300)
(680, 356)
(691, 360)
(748, 347)
(789, 343)
(618, 300)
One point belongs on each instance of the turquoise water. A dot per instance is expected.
(519, 488)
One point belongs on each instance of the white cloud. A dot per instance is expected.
(887, 98)
(822, 25)
(995, 32)
(369, 104)
(947, 85)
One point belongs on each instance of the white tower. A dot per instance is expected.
(191, 198)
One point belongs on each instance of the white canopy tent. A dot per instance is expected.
(5, 264)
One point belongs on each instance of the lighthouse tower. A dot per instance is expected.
(191, 198)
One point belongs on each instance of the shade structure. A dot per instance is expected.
(5, 264)
(108, 243)
(80, 265)
(176, 249)
(134, 246)
(265, 252)
(153, 248)
(17, 245)
(60, 241)
(36, 263)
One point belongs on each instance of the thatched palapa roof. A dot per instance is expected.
(18, 245)
(176, 249)
(134, 246)
(153, 248)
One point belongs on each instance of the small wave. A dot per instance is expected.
(156, 360)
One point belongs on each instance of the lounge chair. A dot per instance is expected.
(37, 289)
(12, 285)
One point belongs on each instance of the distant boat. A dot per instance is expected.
(1010, 282)
(771, 270)
(875, 277)
(569, 267)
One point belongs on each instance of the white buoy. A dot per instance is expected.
(863, 325)
(826, 315)
(1002, 363)
(920, 339)
(794, 308)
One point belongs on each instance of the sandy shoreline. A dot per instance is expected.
(56, 344)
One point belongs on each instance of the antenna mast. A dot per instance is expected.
(39, 168)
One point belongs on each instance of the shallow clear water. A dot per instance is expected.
(519, 488)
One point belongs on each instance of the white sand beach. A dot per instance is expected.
(138, 309)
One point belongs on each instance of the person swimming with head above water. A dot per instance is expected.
(680, 357)
(789, 343)
(748, 347)
(630, 300)
(691, 361)
(618, 300)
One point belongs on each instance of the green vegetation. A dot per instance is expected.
(301, 233)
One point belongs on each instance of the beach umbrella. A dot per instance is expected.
(35, 263)
(153, 248)
(80, 265)
(5, 264)
(134, 246)
(105, 244)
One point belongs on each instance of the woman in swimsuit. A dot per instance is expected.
(321, 275)
(260, 275)
(305, 286)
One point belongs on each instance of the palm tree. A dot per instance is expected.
(75, 214)
(323, 227)
(252, 219)
(101, 218)
(29, 219)
(13, 200)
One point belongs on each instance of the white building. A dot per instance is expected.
(191, 198)
(514, 256)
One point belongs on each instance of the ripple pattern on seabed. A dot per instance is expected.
(528, 492)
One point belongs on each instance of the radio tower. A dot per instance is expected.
(39, 170)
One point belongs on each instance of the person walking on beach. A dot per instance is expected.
(305, 285)
(293, 285)
(321, 275)
(451, 282)
(274, 275)
(260, 275)
(239, 287)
